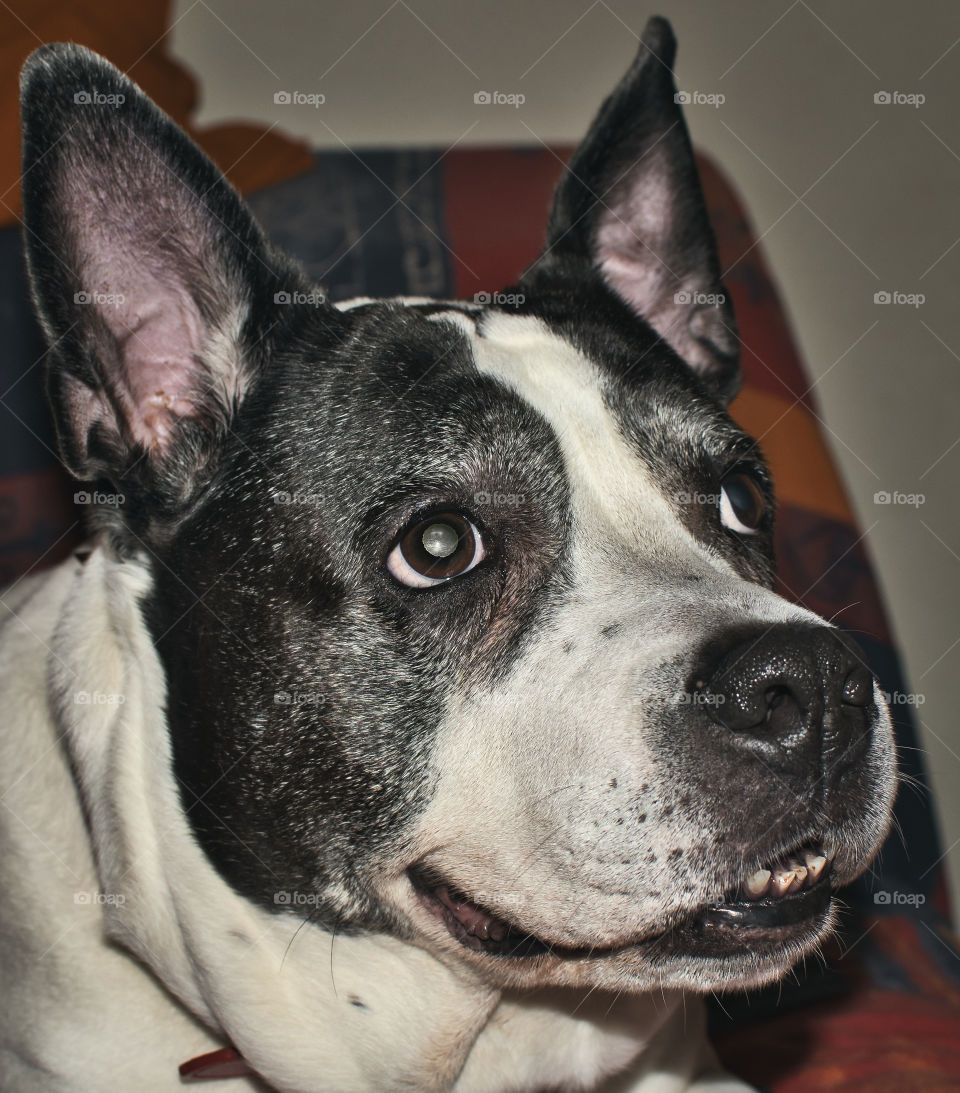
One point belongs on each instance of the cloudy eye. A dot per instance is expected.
(436, 549)
(742, 504)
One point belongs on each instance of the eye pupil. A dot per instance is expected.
(435, 549)
(440, 540)
(743, 505)
(742, 499)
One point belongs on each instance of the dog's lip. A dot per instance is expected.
(470, 923)
(773, 901)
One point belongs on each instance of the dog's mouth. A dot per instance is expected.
(771, 905)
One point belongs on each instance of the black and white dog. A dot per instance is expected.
(420, 715)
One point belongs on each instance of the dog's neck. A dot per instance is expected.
(287, 996)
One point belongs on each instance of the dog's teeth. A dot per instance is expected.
(757, 884)
(799, 876)
(815, 863)
(781, 881)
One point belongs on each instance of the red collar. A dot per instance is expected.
(225, 1063)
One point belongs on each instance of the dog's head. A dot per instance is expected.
(465, 611)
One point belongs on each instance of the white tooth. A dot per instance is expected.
(815, 866)
(801, 871)
(780, 882)
(757, 883)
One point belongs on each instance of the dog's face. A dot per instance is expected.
(465, 611)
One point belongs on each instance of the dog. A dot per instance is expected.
(420, 714)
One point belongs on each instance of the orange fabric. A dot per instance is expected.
(133, 37)
(789, 437)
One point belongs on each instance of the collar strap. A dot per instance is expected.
(225, 1063)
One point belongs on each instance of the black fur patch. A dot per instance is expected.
(306, 684)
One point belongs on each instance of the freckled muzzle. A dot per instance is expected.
(775, 776)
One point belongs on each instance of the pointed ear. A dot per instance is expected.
(630, 205)
(153, 283)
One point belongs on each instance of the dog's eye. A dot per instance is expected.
(435, 549)
(742, 504)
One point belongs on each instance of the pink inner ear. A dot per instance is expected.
(159, 336)
(158, 376)
(635, 248)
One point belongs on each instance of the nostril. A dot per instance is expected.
(797, 696)
(776, 696)
(785, 715)
(858, 688)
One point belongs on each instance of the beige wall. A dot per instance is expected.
(851, 198)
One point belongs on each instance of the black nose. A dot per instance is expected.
(800, 697)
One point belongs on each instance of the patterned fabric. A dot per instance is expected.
(885, 1013)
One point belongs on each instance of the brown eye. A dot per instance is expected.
(742, 504)
(436, 549)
